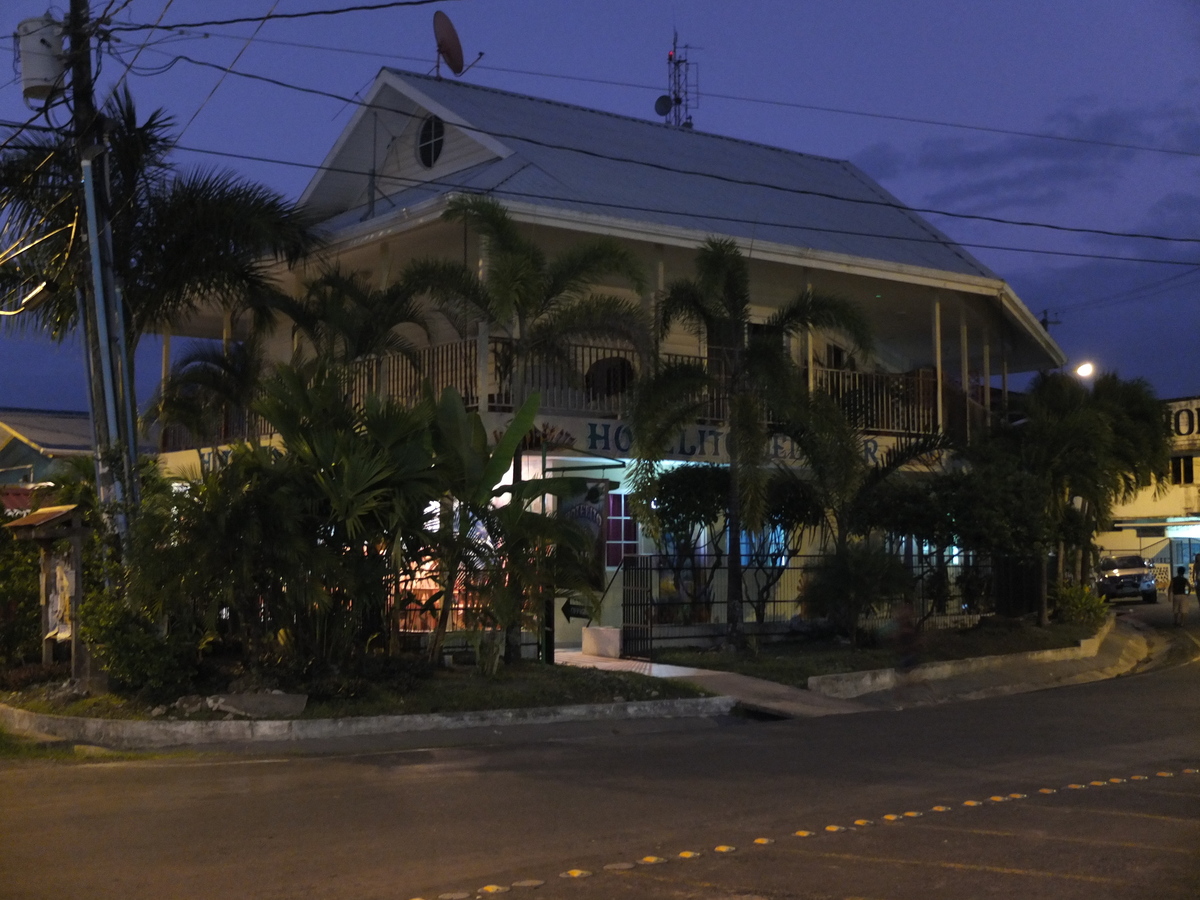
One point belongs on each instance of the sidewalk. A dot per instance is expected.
(1129, 645)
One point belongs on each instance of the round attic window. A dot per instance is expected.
(429, 141)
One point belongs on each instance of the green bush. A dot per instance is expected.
(137, 657)
(20, 615)
(1077, 605)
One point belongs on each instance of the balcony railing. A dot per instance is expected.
(597, 381)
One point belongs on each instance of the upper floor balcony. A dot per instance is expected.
(595, 381)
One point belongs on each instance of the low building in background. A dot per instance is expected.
(33, 440)
(1164, 526)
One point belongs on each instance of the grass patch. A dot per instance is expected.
(793, 663)
(18, 748)
(521, 686)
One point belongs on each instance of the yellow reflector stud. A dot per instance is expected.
(651, 860)
(724, 848)
(763, 841)
(575, 873)
(688, 854)
(972, 803)
(863, 823)
(941, 809)
(803, 833)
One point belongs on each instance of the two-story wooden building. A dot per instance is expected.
(948, 330)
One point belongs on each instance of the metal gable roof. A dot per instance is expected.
(572, 158)
(51, 432)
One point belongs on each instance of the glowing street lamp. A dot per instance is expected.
(1085, 370)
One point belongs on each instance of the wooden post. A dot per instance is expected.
(937, 356)
(45, 573)
(964, 368)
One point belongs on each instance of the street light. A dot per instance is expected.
(1085, 370)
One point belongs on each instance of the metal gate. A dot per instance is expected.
(637, 608)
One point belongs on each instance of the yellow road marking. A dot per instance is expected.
(964, 867)
(1044, 836)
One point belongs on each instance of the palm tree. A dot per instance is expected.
(180, 240)
(748, 374)
(209, 393)
(540, 303)
(1101, 446)
(835, 477)
(470, 473)
(347, 319)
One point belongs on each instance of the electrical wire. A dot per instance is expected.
(129, 66)
(525, 195)
(242, 20)
(221, 80)
(737, 98)
(728, 179)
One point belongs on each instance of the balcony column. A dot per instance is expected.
(964, 368)
(1004, 380)
(937, 358)
(808, 349)
(987, 374)
(482, 367)
(483, 347)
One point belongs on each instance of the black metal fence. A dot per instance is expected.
(667, 605)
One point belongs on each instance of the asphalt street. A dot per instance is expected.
(518, 810)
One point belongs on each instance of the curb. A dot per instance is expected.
(847, 685)
(124, 734)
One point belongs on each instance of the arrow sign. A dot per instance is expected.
(575, 611)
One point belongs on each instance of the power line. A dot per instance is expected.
(233, 63)
(744, 182)
(1141, 293)
(712, 216)
(737, 98)
(364, 7)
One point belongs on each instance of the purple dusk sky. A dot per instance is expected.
(828, 77)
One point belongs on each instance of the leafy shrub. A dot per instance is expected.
(20, 615)
(137, 657)
(847, 584)
(1077, 605)
(21, 677)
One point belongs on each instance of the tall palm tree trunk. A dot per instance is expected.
(734, 636)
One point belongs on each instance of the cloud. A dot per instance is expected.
(987, 173)
(881, 161)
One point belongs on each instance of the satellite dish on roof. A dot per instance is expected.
(663, 105)
(449, 47)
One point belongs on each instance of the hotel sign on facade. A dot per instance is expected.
(1184, 419)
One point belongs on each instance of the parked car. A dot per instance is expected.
(1127, 576)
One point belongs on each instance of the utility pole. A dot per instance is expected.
(100, 307)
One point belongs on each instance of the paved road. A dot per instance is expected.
(426, 816)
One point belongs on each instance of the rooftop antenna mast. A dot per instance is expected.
(683, 84)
